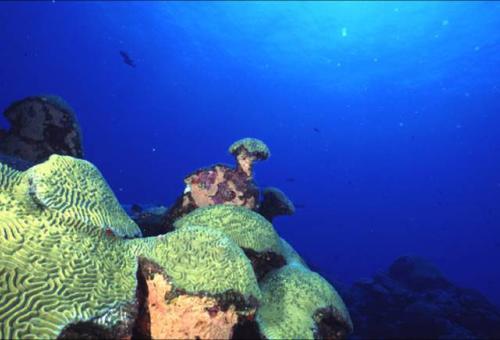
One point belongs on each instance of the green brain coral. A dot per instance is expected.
(252, 145)
(247, 228)
(76, 189)
(59, 266)
(201, 259)
(291, 296)
(54, 269)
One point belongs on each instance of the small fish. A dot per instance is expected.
(290, 179)
(126, 59)
(316, 130)
(299, 206)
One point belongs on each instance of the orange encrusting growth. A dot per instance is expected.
(185, 316)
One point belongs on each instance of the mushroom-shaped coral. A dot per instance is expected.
(299, 304)
(41, 126)
(247, 151)
(275, 203)
(253, 233)
(62, 269)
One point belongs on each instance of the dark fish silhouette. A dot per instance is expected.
(316, 130)
(290, 179)
(126, 59)
(299, 206)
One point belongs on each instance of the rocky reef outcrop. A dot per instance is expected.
(75, 265)
(39, 127)
(222, 184)
(412, 299)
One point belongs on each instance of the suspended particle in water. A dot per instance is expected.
(343, 32)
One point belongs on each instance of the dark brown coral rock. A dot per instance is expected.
(275, 203)
(41, 126)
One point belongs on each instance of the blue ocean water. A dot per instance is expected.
(383, 118)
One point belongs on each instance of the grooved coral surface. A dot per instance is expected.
(247, 228)
(290, 297)
(58, 268)
(200, 260)
(54, 269)
(75, 188)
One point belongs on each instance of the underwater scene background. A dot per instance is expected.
(382, 117)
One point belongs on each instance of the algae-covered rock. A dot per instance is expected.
(41, 126)
(63, 273)
(299, 304)
(220, 184)
(247, 228)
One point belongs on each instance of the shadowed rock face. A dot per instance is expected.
(14, 162)
(39, 127)
(149, 218)
(275, 203)
(414, 300)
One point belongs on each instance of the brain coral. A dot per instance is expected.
(200, 260)
(291, 298)
(58, 265)
(247, 228)
(76, 189)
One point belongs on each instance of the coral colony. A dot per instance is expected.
(74, 264)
